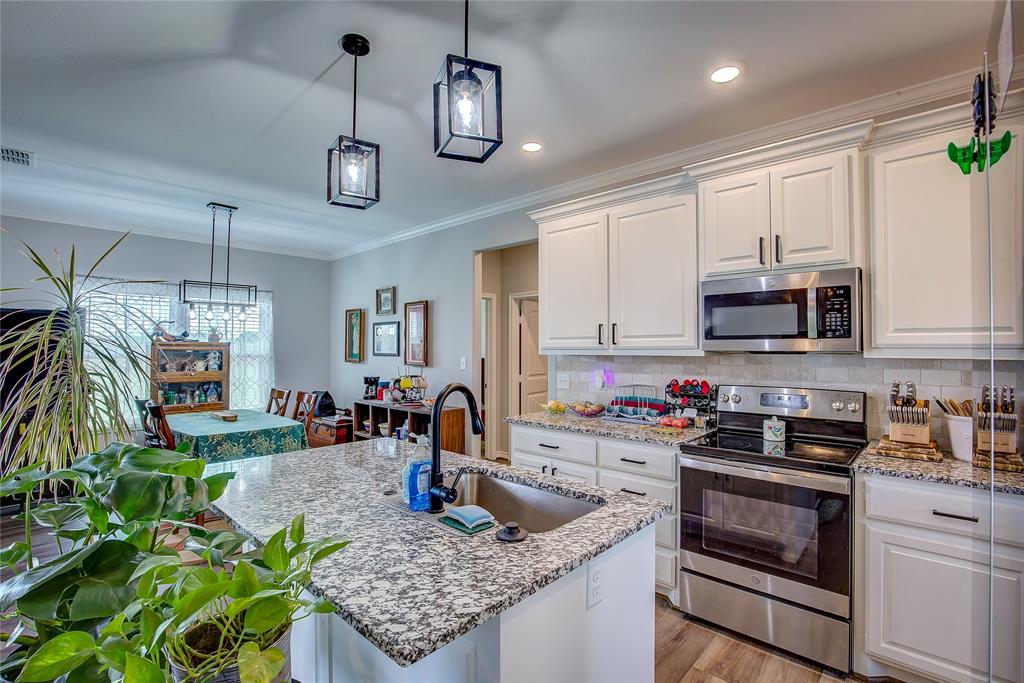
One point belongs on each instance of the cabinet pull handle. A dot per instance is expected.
(615, 326)
(545, 445)
(966, 518)
(553, 470)
(600, 333)
(778, 248)
(543, 469)
(635, 462)
(635, 493)
(760, 250)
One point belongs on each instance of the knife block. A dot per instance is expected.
(1000, 442)
(911, 433)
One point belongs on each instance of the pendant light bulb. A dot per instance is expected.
(468, 103)
(209, 312)
(191, 311)
(241, 314)
(354, 180)
(226, 315)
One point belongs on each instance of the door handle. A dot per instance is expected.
(760, 250)
(635, 493)
(543, 469)
(615, 327)
(966, 518)
(778, 248)
(544, 445)
(600, 333)
(635, 462)
(553, 470)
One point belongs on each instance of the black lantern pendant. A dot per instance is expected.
(467, 106)
(210, 295)
(353, 165)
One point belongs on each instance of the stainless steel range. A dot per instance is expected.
(766, 526)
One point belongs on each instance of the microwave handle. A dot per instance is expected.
(812, 312)
(760, 250)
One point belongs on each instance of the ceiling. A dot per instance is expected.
(140, 113)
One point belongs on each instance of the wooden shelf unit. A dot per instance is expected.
(165, 355)
(453, 422)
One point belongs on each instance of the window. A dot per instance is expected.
(133, 308)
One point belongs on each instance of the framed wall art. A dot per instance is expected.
(385, 338)
(417, 333)
(387, 301)
(355, 334)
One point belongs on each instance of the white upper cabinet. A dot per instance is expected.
(736, 223)
(653, 274)
(929, 247)
(810, 215)
(573, 283)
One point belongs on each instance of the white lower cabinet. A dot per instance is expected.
(633, 468)
(926, 583)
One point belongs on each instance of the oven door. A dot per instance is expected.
(771, 530)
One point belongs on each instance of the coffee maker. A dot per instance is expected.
(370, 387)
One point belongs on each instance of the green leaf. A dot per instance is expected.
(267, 613)
(13, 554)
(139, 670)
(25, 582)
(322, 607)
(112, 652)
(22, 480)
(43, 600)
(152, 562)
(192, 467)
(327, 549)
(92, 671)
(56, 515)
(96, 598)
(274, 554)
(245, 581)
(138, 495)
(298, 530)
(259, 667)
(194, 600)
(217, 483)
(58, 656)
(151, 459)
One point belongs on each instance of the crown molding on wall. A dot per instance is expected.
(875, 107)
(677, 183)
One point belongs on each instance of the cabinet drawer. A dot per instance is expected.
(665, 532)
(666, 567)
(554, 444)
(638, 485)
(931, 505)
(646, 460)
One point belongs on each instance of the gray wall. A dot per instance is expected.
(437, 267)
(300, 285)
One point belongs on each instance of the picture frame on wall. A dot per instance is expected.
(355, 334)
(387, 301)
(385, 338)
(417, 333)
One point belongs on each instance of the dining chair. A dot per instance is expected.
(161, 428)
(305, 404)
(278, 402)
(149, 435)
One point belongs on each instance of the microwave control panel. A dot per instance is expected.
(834, 310)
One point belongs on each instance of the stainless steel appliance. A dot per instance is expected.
(798, 312)
(766, 526)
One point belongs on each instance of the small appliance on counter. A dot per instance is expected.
(767, 526)
(370, 387)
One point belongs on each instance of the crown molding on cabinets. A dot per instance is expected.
(953, 117)
(677, 183)
(843, 137)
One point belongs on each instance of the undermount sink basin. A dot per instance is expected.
(535, 510)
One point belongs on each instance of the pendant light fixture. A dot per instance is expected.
(353, 165)
(467, 106)
(206, 297)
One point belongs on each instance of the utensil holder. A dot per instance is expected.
(961, 436)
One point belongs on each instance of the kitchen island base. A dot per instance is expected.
(549, 636)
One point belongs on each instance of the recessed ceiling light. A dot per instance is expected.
(532, 147)
(724, 74)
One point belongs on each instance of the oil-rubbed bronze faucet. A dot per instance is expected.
(439, 493)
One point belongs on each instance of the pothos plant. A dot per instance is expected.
(117, 603)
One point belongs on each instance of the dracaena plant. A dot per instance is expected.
(67, 612)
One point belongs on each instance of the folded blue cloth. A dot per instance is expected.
(470, 515)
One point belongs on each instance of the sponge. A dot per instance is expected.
(470, 516)
(456, 524)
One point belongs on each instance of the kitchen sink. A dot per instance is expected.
(535, 510)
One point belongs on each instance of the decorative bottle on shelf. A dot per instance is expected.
(212, 395)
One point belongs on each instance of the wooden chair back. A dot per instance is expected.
(161, 428)
(278, 403)
(305, 404)
(149, 435)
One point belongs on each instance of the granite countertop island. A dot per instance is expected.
(610, 429)
(949, 471)
(407, 585)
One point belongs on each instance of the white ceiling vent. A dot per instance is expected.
(16, 156)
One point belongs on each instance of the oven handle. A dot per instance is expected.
(808, 480)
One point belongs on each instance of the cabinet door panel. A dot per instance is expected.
(927, 605)
(574, 283)
(929, 252)
(531, 462)
(653, 274)
(573, 472)
(810, 202)
(735, 216)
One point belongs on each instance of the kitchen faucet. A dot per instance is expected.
(439, 493)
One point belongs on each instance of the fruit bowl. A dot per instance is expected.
(586, 408)
(554, 407)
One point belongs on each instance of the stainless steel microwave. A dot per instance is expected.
(792, 312)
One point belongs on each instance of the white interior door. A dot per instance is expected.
(527, 367)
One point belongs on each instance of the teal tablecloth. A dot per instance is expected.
(253, 434)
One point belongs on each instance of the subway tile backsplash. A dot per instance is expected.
(852, 372)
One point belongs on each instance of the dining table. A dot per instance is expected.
(253, 434)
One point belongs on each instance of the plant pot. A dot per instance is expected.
(230, 675)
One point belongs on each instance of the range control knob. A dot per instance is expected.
(853, 406)
(736, 398)
(724, 398)
(838, 405)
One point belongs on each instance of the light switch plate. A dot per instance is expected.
(462, 363)
(563, 380)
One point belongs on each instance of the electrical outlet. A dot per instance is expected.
(563, 380)
(595, 584)
(462, 363)
(599, 379)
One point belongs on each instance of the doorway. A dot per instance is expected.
(489, 408)
(527, 368)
